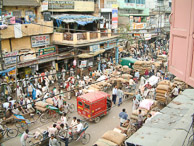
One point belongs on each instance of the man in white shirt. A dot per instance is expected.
(79, 126)
(52, 130)
(132, 84)
(175, 92)
(60, 103)
(137, 74)
(73, 124)
(114, 94)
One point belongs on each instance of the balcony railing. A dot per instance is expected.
(78, 38)
(104, 33)
(68, 36)
(81, 36)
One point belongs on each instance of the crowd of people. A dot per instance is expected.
(40, 86)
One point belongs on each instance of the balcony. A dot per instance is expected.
(28, 30)
(72, 39)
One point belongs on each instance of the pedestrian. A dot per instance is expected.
(30, 89)
(63, 73)
(53, 141)
(135, 104)
(123, 117)
(65, 133)
(140, 119)
(60, 103)
(175, 92)
(24, 137)
(120, 96)
(114, 95)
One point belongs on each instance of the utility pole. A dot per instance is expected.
(1, 53)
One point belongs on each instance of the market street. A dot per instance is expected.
(96, 130)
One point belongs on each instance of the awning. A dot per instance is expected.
(3, 72)
(89, 55)
(79, 19)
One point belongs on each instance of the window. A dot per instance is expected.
(140, 1)
(17, 14)
(129, 1)
(87, 106)
(28, 13)
(80, 103)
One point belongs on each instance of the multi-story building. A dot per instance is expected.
(25, 33)
(159, 14)
(78, 32)
(133, 13)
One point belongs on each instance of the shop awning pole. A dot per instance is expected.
(16, 77)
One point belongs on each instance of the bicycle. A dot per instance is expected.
(22, 123)
(4, 130)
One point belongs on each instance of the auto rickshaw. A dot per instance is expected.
(94, 105)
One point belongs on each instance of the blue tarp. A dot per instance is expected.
(79, 19)
(3, 72)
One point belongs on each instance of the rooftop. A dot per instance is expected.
(32, 3)
(164, 129)
(94, 96)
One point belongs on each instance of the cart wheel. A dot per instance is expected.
(97, 119)
(55, 117)
(21, 127)
(85, 139)
(43, 118)
(49, 114)
(12, 133)
(71, 108)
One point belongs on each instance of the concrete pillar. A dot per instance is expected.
(74, 38)
(99, 35)
(88, 36)
(109, 32)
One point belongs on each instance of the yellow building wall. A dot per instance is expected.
(29, 29)
(79, 6)
(5, 46)
(22, 43)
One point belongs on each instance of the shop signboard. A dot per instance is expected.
(44, 5)
(114, 18)
(13, 72)
(83, 64)
(94, 48)
(61, 5)
(10, 60)
(139, 25)
(90, 63)
(40, 40)
(47, 51)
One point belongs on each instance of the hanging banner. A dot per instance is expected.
(114, 16)
(83, 64)
(139, 25)
(13, 72)
(40, 40)
(44, 5)
(61, 5)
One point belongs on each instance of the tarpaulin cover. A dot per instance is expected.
(79, 19)
(89, 55)
(6, 71)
